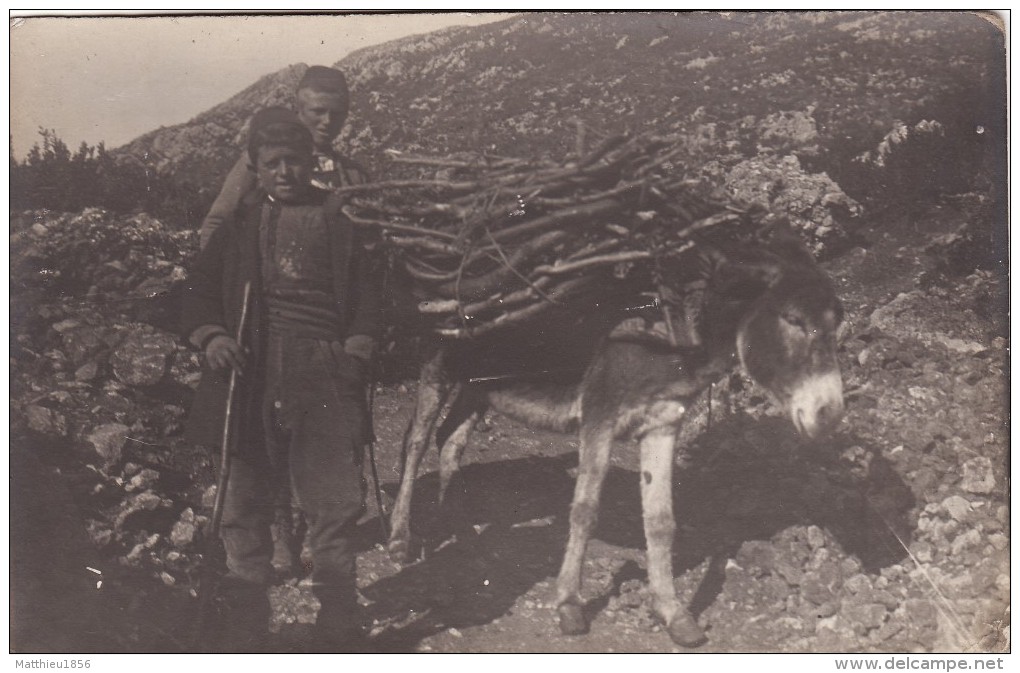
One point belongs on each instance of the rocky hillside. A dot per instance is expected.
(824, 87)
(884, 131)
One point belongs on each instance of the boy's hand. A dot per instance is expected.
(222, 352)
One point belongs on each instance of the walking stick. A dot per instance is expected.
(226, 445)
(228, 423)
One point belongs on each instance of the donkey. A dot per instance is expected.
(768, 309)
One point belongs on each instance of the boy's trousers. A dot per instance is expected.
(310, 401)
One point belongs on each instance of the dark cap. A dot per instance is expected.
(277, 126)
(321, 78)
(268, 116)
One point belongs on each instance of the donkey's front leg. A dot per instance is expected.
(596, 445)
(657, 454)
(432, 391)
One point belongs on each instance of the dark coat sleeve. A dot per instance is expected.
(239, 182)
(203, 289)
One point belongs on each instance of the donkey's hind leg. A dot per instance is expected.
(453, 434)
(596, 445)
(657, 455)
(432, 392)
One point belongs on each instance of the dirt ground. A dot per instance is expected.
(891, 535)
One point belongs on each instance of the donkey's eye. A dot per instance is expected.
(795, 320)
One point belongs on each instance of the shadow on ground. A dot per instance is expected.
(745, 480)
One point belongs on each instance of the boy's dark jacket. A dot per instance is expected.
(214, 294)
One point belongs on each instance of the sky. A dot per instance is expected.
(115, 78)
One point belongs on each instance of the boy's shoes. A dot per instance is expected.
(243, 620)
(341, 628)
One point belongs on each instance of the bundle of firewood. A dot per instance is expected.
(494, 241)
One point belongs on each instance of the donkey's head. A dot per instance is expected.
(786, 313)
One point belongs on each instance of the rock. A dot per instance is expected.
(65, 325)
(143, 480)
(757, 554)
(834, 633)
(865, 617)
(143, 358)
(999, 541)
(826, 609)
(46, 421)
(889, 629)
(209, 497)
(815, 537)
(87, 372)
(857, 584)
(82, 343)
(815, 591)
(135, 555)
(978, 476)
(884, 598)
(850, 566)
(967, 540)
(140, 502)
(168, 579)
(921, 611)
(922, 551)
(99, 533)
(790, 573)
(183, 532)
(630, 599)
(957, 507)
(108, 440)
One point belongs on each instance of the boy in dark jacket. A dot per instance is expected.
(321, 101)
(315, 312)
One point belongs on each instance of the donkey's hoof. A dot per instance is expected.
(572, 621)
(685, 631)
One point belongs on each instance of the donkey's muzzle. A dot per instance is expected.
(816, 406)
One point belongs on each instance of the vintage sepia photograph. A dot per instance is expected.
(531, 332)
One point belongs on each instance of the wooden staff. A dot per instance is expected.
(206, 584)
(228, 426)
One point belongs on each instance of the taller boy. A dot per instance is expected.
(322, 103)
(316, 310)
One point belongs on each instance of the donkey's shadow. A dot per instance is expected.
(745, 480)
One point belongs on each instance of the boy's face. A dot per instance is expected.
(323, 113)
(284, 172)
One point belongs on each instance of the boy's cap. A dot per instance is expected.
(321, 78)
(282, 120)
(269, 116)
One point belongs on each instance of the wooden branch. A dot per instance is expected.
(439, 185)
(428, 275)
(412, 211)
(559, 218)
(474, 288)
(598, 260)
(439, 306)
(603, 148)
(519, 316)
(391, 226)
(580, 199)
(426, 244)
